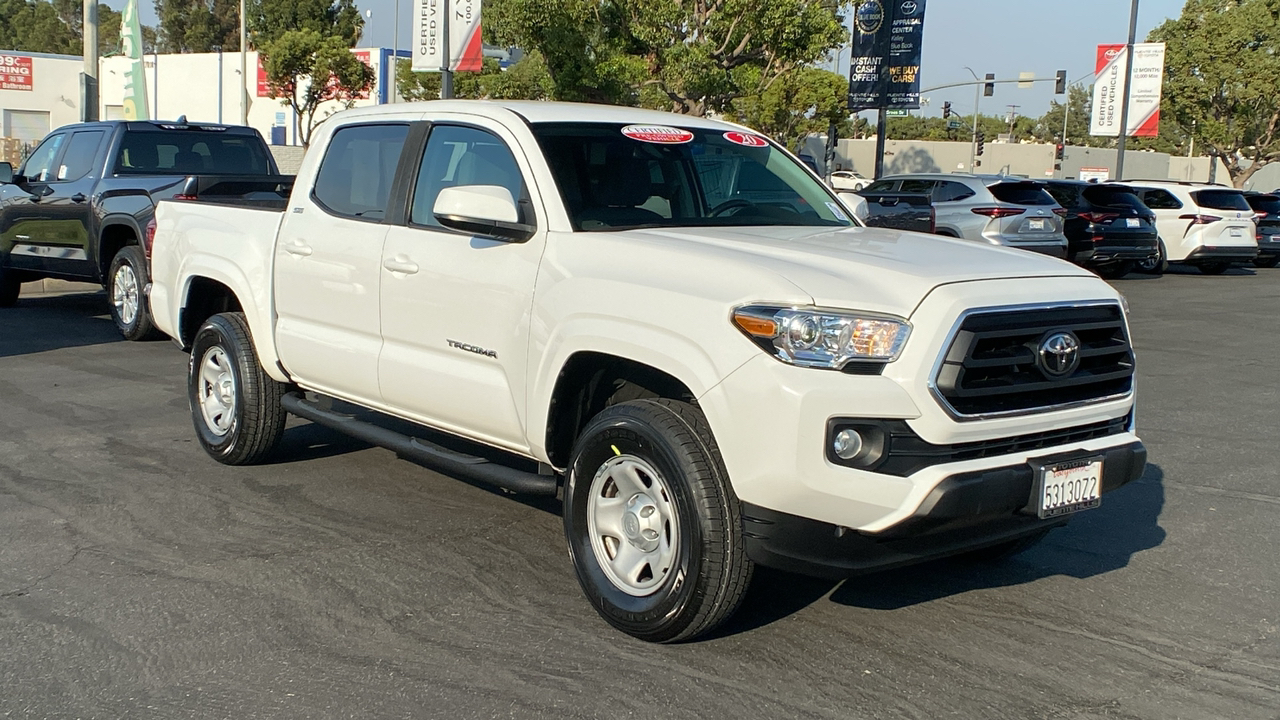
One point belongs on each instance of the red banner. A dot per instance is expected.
(16, 73)
(264, 87)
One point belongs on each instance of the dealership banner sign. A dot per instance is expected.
(135, 81)
(16, 73)
(884, 70)
(466, 50)
(1147, 79)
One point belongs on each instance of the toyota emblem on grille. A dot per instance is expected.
(1059, 354)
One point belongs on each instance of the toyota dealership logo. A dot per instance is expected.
(910, 7)
(1059, 354)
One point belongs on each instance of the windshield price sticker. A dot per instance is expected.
(658, 134)
(746, 139)
(838, 212)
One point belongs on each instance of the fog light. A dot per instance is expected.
(848, 444)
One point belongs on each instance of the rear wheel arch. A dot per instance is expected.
(204, 298)
(116, 234)
(589, 382)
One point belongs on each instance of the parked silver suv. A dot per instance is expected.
(996, 209)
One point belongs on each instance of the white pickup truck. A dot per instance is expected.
(671, 321)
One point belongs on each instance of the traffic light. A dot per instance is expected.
(1059, 152)
(990, 88)
(1060, 88)
(981, 142)
(946, 110)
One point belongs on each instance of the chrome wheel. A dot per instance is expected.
(631, 518)
(217, 391)
(125, 294)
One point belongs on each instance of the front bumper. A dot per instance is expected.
(965, 511)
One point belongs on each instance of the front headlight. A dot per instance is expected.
(812, 337)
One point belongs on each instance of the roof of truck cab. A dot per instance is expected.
(549, 112)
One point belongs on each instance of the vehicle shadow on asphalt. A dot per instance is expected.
(1092, 544)
(39, 323)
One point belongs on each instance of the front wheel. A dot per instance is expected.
(10, 287)
(653, 527)
(1268, 261)
(234, 403)
(125, 282)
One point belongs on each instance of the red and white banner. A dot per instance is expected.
(1147, 78)
(16, 73)
(466, 50)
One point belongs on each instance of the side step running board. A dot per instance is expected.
(447, 461)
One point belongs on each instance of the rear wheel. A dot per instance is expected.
(1268, 261)
(10, 287)
(653, 527)
(1154, 265)
(234, 403)
(1214, 268)
(126, 281)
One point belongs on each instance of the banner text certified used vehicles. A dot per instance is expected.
(670, 321)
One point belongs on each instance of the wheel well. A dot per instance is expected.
(590, 382)
(205, 298)
(114, 237)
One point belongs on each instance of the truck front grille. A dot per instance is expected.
(995, 364)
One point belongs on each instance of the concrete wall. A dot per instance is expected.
(288, 158)
(55, 81)
(916, 156)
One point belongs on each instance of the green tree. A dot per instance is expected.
(1222, 77)
(305, 46)
(191, 26)
(692, 56)
(526, 79)
(57, 27)
(803, 102)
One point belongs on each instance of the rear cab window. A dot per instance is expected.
(1221, 200)
(194, 152)
(1021, 193)
(357, 170)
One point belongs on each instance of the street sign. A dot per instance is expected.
(893, 112)
(954, 124)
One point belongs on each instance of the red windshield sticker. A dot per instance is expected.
(746, 139)
(660, 134)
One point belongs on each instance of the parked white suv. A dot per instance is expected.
(1208, 226)
(669, 320)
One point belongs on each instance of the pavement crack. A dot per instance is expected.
(34, 583)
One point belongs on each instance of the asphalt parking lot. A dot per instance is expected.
(140, 579)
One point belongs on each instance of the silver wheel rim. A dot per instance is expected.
(217, 391)
(631, 517)
(124, 294)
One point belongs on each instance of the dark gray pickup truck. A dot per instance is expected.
(80, 206)
(898, 211)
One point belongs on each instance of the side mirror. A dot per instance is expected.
(487, 210)
(6, 173)
(854, 203)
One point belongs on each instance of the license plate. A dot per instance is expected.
(1237, 232)
(1035, 224)
(1133, 222)
(1070, 487)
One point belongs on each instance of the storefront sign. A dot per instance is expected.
(16, 73)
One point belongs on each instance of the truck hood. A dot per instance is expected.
(872, 269)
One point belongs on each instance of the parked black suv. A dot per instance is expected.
(1108, 228)
(79, 207)
(1267, 207)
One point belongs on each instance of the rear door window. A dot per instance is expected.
(1221, 200)
(358, 168)
(81, 152)
(1021, 193)
(1158, 199)
(1113, 197)
(1066, 194)
(951, 191)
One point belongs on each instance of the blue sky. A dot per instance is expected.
(1005, 37)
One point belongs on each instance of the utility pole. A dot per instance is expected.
(395, 53)
(219, 49)
(89, 82)
(977, 100)
(446, 74)
(244, 68)
(1128, 86)
(1013, 115)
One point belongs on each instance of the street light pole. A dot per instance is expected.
(1128, 85)
(977, 100)
(395, 53)
(244, 68)
(89, 86)
(446, 74)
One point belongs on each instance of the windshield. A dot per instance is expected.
(614, 177)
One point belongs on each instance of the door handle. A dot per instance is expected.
(78, 198)
(298, 248)
(400, 264)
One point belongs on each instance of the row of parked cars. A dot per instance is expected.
(1113, 228)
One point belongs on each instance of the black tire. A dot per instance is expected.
(710, 571)
(1268, 261)
(1115, 270)
(1214, 268)
(255, 422)
(10, 288)
(1158, 266)
(1006, 550)
(125, 283)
